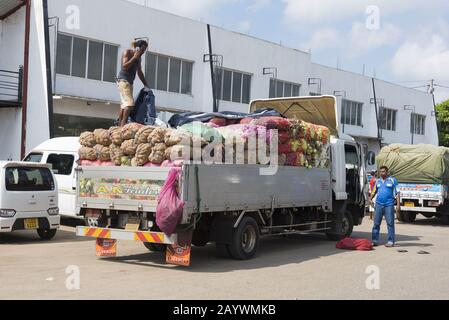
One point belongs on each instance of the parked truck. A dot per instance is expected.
(422, 172)
(233, 205)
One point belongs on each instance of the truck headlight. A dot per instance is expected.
(7, 213)
(53, 211)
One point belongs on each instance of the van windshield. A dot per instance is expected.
(34, 157)
(29, 179)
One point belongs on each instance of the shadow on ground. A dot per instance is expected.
(273, 252)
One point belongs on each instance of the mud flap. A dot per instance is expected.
(179, 254)
(106, 248)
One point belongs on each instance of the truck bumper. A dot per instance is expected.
(116, 234)
(419, 209)
(16, 223)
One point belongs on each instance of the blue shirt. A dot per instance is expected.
(386, 191)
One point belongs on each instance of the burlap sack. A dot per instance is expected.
(157, 136)
(130, 130)
(156, 157)
(129, 147)
(142, 153)
(143, 133)
(86, 153)
(87, 139)
(116, 154)
(116, 135)
(102, 137)
(103, 153)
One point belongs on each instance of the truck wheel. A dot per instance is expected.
(200, 238)
(245, 240)
(445, 219)
(95, 222)
(46, 234)
(400, 216)
(155, 247)
(409, 217)
(347, 226)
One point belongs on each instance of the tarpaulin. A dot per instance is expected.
(179, 120)
(417, 163)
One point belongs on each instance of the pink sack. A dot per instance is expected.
(355, 244)
(170, 206)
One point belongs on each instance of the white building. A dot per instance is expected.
(85, 40)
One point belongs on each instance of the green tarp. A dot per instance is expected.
(416, 164)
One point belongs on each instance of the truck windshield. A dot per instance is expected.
(29, 179)
(34, 157)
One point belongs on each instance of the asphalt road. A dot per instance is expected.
(297, 267)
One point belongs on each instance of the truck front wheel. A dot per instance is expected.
(409, 217)
(245, 240)
(344, 227)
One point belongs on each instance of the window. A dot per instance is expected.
(418, 124)
(233, 86)
(351, 113)
(73, 126)
(388, 119)
(34, 157)
(64, 54)
(79, 58)
(83, 58)
(62, 164)
(168, 73)
(29, 179)
(280, 89)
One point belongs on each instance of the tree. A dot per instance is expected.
(443, 122)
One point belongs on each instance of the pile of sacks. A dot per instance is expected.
(247, 141)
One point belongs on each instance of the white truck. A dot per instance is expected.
(28, 199)
(233, 205)
(62, 155)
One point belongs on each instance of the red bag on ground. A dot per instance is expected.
(355, 244)
(170, 206)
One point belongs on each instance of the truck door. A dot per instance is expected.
(353, 167)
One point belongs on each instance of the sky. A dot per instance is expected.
(402, 41)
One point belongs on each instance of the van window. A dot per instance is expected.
(34, 157)
(62, 163)
(29, 179)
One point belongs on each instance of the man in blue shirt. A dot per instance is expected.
(387, 194)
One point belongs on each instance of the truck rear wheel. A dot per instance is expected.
(155, 247)
(245, 240)
(346, 227)
(223, 250)
(46, 234)
(445, 219)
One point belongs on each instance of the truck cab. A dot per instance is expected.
(62, 155)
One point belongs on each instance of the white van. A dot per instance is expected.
(62, 155)
(28, 198)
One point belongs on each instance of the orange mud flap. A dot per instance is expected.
(179, 254)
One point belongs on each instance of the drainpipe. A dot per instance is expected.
(379, 134)
(26, 55)
(48, 70)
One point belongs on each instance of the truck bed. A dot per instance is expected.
(215, 188)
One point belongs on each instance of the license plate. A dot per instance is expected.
(410, 204)
(31, 224)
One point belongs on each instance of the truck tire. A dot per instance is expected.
(445, 219)
(101, 222)
(400, 216)
(46, 234)
(409, 217)
(347, 226)
(200, 238)
(155, 247)
(245, 240)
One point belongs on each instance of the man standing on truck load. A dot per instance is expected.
(131, 65)
(387, 194)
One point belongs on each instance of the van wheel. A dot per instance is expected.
(155, 247)
(245, 240)
(46, 234)
(346, 228)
